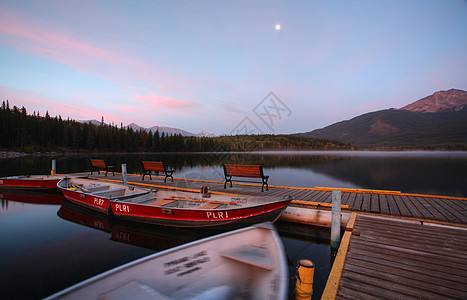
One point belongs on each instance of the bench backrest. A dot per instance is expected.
(155, 166)
(254, 171)
(98, 163)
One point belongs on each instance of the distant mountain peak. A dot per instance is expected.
(442, 101)
(162, 129)
(437, 121)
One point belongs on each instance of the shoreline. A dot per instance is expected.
(18, 154)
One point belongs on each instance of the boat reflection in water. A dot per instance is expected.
(53, 198)
(247, 263)
(148, 236)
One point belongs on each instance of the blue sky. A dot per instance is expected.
(221, 66)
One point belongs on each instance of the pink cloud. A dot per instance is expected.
(154, 100)
(41, 39)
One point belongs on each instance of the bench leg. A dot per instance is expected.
(228, 180)
(265, 182)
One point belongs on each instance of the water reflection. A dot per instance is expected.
(441, 173)
(300, 241)
(138, 234)
(30, 197)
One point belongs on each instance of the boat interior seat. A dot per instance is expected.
(110, 193)
(163, 202)
(97, 188)
(256, 256)
(211, 206)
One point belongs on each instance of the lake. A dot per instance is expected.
(47, 247)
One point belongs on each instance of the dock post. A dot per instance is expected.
(54, 167)
(304, 282)
(124, 174)
(336, 219)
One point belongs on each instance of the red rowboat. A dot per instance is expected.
(97, 195)
(30, 182)
(173, 208)
(184, 209)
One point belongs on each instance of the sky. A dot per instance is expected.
(224, 66)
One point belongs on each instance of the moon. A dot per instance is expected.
(277, 27)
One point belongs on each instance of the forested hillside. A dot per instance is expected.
(25, 132)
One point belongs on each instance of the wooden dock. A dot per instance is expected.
(385, 258)
(396, 246)
(396, 204)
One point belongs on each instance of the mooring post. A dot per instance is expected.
(304, 283)
(124, 174)
(54, 167)
(336, 219)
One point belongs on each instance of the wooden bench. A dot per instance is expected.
(100, 165)
(251, 171)
(156, 166)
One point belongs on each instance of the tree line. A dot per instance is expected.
(25, 132)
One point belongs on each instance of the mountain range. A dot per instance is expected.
(162, 129)
(170, 130)
(439, 120)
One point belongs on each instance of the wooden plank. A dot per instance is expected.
(346, 293)
(410, 237)
(308, 195)
(412, 283)
(424, 212)
(393, 209)
(351, 201)
(443, 213)
(373, 287)
(460, 205)
(406, 265)
(366, 205)
(404, 211)
(375, 207)
(414, 212)
(451, 208)
(407, 274)
(419, 258)
(383, 204)
(316, 195)
(299, 194)
(162, 202)
(434, 212)
(345, 198)
(320, 196)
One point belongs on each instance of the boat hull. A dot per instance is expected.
(39, 183)
(99, 204)
(180, 217)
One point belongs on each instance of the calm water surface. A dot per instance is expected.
(47, 247)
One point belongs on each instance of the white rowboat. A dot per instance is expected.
(247, 263)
